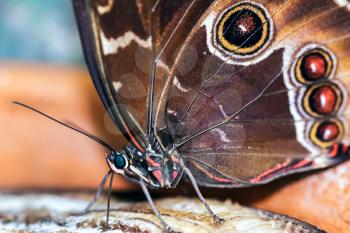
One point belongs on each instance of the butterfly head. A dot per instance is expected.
(118, 161)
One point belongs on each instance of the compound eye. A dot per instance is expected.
(119, 161)
(243, 29)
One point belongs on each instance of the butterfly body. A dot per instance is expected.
(157, 168)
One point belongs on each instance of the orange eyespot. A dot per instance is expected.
(314, 65)
(322, 99)
(243, 29)
(324, 134)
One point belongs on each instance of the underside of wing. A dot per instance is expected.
(110, 36)
(125, 42)
(268, 95)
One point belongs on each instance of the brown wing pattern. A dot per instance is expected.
(110, 48)
(247, 91)
(123, 38)
(241, 114)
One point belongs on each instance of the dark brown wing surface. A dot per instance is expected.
(247, 91)
(111, 33)
(121, 39)
(266, 95)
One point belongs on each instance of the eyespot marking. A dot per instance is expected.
(325, 133)
(314, 65)
(319, 99)
(243, 30)
(322, 99)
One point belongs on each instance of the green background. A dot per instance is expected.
(39, 30)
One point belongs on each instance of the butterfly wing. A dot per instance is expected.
(121, 39)
(116, 41)
(267, 94)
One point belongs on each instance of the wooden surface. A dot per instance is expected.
(37, 153)
(55, 214)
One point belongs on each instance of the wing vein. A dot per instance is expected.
(206, 80)
(234, 114)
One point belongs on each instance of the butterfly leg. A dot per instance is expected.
(153, 207)
(199, 194)
(98, 193)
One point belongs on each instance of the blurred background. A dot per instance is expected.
(41, 64)
(42, 31)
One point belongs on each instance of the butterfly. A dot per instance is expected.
(228, 93)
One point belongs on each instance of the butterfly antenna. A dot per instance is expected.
(109, 198)
(96, 139)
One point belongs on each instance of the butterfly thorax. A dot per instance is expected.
(156, 167)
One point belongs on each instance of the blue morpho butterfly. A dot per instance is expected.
(228, 93)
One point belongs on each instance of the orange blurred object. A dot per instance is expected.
(322, 199)
(39, 153)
